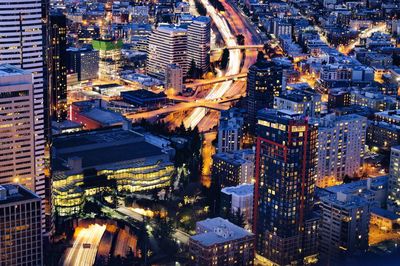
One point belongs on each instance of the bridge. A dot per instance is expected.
(183, 105)
(245, 47)
(204, 82)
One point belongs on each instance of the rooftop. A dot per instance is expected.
(219, 231)
(241, 190)
(385, 213)
(102, 147)
(9, 70)
(11, 193)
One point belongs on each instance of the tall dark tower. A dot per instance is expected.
(286, 159)
(58, 61)
(264, 82)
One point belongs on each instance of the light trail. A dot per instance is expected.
(233, 67)
(79, 255)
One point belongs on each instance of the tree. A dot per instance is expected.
(240, 39)
(225, 58)
(260, 56)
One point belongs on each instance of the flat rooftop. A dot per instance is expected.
(102, 147)
(219, 231)
(11, 193)
(241, 190)
(10, 70)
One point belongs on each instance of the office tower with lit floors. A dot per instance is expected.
(264, 82)
(286, 160)
(394, 180)
(17, 127)
(22, 27)
(58, 59)
(199, 36)
(167, 45)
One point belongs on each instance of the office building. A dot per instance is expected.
(285, 176)
(17, 127)
(25, 43)
(344, 227)
(58, 72)
(381, 136)
(109, 58)
(232, 168)
(341, 144)
(394, 181)
(87, 163)
(238, 199)
(167, 45)
(174, 78)
(230, 130)
(20, 226)
(219, 242)
(264, 82)
(198, 43)
(83, 62)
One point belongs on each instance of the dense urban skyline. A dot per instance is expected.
(199, 132)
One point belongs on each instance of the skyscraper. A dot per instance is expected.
(58, 78)
(20, 226)
(17, 127)
(167, 45)
(22, 41)
(264, 81)
(286, 159)
(199, 36)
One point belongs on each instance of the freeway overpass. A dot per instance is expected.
(204, 82)
(244, 47)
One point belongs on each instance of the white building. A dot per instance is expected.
(167, 45)
(230, 130)
(239, 198)
(394, 180)
(344, 226)
(199, 36)
(16, 127)
(174, 78)
(21, 33)
(341, 141)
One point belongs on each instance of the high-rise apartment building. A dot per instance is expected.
(286, 160)
(17, 127)
(341, 144)
(199, 36)
(20, 226)
(344, 227)
(264, 82)
(58, 78)
(167, 45)
(393, 202)
(230, 130)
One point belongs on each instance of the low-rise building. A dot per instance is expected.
(219, 242)
(238, 199)
(344, 226)
(144, 97)
(116, 159)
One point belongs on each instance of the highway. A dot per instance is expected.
(230, 23)
(79, 255)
